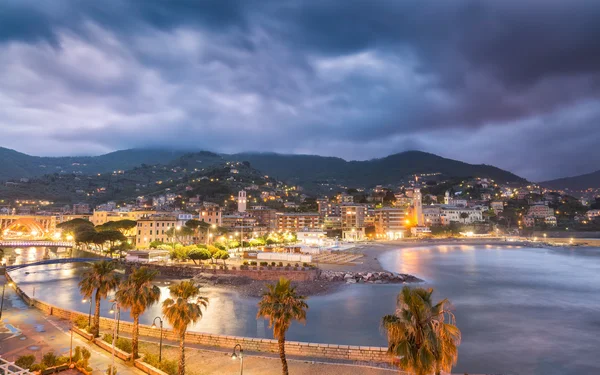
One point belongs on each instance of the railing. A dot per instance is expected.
(36, 244)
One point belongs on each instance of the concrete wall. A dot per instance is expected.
(315, 350)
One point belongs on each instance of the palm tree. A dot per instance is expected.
(280, 305)
(419, 335)
(137, 293)
(184, 307)
(98, 280)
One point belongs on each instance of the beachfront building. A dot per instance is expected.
(390, 222)
(354, 234)
(353, 216)
(312, 237)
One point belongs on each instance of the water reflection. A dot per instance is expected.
(521, 311)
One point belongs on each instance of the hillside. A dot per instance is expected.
(311, 171)
(17, 165)
(302, 169)
(214, 182)
(581, 182)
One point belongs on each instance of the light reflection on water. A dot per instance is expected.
(521, 311)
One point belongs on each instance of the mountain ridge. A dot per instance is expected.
(300, 169)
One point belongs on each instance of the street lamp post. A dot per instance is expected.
(161, 335)
(90, 313)
(240, 356)
(2, 301)
(114, 341)
(118, 315)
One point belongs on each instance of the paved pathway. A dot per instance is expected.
(25, 330)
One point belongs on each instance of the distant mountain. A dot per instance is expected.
(18, 165)
(297, 169)
(581, 182)
(388, 170)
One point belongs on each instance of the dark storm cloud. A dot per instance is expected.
(515, 84)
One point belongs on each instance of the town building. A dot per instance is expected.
(390, 222)
(312, 237)
(551, 221)
(353, 216)
(354, 234)
(155, 228)
(211, 214)
(591, 214)
(497, 206)
(264, 216)
(297, 221)
(81, 209)
(540, 211)
(528, 221)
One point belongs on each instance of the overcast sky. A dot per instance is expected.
(510, 83)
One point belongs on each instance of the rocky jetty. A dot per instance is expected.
(368, 277)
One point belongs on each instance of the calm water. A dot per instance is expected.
(521, 310)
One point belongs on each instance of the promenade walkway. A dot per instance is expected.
(25, 330)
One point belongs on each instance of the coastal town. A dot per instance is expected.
(299, 187)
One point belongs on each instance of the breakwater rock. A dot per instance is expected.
(368, 277)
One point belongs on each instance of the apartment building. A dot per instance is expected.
(297, 221)
(390, 222)
(154, 228)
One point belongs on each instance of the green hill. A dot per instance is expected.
(581, 182)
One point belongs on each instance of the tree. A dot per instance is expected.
(136, 294)
(126, 227)
(221, 254)
(419, 335)
(464, 215)
(99, 280)
(183, 308)
(176, 234)
(75, 225)
(280, 304)
(199, 254)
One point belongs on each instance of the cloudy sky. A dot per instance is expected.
(510, 83)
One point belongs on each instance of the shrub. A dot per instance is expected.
(305, 264)
(49, 359)
(61, 360)
(296, 265)
(25, 361)
(233, 268)
(273, 264)
(280, 264)
(168, 366)
(253, 263)
(264, 264)
(77, 354)
(122, 343)
(81, 322)
(288, 265)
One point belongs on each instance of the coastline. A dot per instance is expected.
(370, 263)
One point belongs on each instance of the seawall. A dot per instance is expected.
(303, 349)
